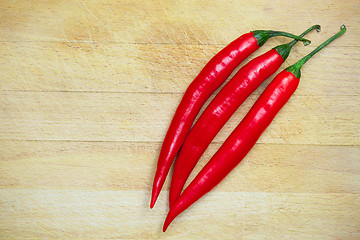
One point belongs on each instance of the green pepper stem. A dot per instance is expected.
(317, 27)
(285, 34)
(295, 68)
(263, 35)
(284, 49)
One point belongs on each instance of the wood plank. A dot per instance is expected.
(167, 22)
(58, 66)
(96, 116)
(87, 91)
(79, 214)
(130, 166)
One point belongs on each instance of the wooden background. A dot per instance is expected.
(88, 89)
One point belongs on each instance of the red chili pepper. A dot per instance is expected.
(209, 79)
(222, 107)
(245, 135)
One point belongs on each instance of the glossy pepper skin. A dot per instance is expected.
(237, 145)
(209, 79)
(245, 135)
(222, 107)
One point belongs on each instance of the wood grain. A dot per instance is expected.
(115, 214)
(130, 117)
(129, 166)
(88, 89)
(187, 22)
(63, 66)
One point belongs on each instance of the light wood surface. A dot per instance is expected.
(87, 92)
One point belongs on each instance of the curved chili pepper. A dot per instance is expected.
(216, 71)
(222, 107)
(245, 135)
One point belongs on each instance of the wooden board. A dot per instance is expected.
(88, 89)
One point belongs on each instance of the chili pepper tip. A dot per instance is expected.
(166, 223)
(152, 203)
